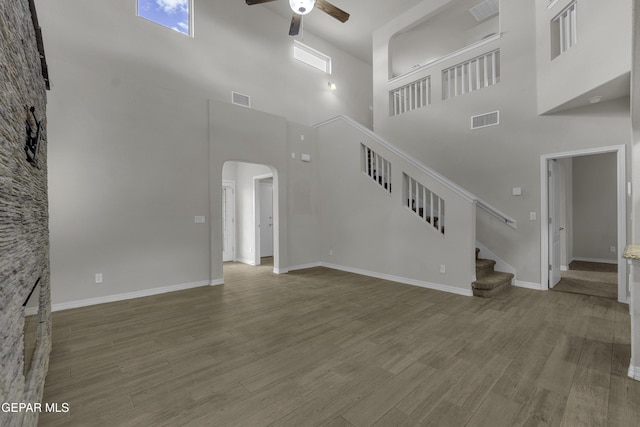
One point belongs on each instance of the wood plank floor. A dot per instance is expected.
(324, 347)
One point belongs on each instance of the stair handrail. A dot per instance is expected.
(466, 195)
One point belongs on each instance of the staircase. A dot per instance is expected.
(488, 281)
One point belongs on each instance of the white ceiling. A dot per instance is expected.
(354, 36)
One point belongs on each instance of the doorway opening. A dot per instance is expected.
(250, 214)
(583, 222)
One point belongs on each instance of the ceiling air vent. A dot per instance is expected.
(484, 120)
(484, 10)
(240, 99)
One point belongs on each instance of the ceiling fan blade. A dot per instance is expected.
(332, 10)
(296, 20)
(250, 2)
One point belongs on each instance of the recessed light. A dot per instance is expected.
(595, 99)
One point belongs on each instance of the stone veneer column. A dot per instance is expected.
(24, 232)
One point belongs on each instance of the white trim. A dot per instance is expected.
(256, 216)
(446, 57)
(216, 282)
(305, 266)
(280, 270)
(552, 3)
(529, 285)
(129, 295)
(232, 185)
(30, 311)
(564, 268)
(620, 151)
(425, 169)
(634, 372)
(406, 281)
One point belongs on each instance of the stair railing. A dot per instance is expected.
(427, 170)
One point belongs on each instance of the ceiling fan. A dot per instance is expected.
(302, 7)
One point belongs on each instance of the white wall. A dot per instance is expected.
(236, 47)
(489, 162)
(595, 207)
(447, 31)
(602, 53)
(131, 135)
(366, 229)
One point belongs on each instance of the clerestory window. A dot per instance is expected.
(173, 14)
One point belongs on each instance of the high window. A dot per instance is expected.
(564, 30)
(174, 14)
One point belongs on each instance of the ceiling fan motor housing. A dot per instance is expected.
(302, 7)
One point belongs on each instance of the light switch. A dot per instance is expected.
(517, 191)
(532, 216)
(199, 220)
(305, 157)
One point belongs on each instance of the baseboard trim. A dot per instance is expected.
(216, 282)
(564, 268)
(634, 372)
(305, 266)
(404, 280)
(131, 295)
(528, 285)
(603, 261)
(280, 270)
(246, 261)
(30, 311)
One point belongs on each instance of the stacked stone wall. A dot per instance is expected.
(24, 233)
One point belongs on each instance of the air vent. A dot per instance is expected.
(484, 10)
(240, 99)
(484, 120)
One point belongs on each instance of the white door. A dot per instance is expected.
(266, 219)
(554, 223)
(228, 223)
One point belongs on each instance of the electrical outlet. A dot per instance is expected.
(612, 249)
(443, 269)
(98, 277)
(330, 251)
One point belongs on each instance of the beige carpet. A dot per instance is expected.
(590, 278)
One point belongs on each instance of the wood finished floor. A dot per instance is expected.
(324, 347)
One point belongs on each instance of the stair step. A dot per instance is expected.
(488, 293)
(492, 281)
(484, 267)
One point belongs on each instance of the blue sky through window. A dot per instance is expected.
(172, 14)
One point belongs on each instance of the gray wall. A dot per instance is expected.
(24, 234)
(489, 162)
(595, 207)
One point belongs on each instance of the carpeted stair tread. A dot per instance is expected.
(488, 293)
(493, 280)
(484, 267)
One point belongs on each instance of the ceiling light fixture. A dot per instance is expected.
(302, 7)
(332, 86)
(595, 99)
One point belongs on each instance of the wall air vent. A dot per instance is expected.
(484, 120)
(240, 99)
(484, 10)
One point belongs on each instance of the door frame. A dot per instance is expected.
(256, 216)
(621, 196)
(232, 186)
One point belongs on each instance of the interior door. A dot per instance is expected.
(228, 223)
(266, 219)
(554, 223)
